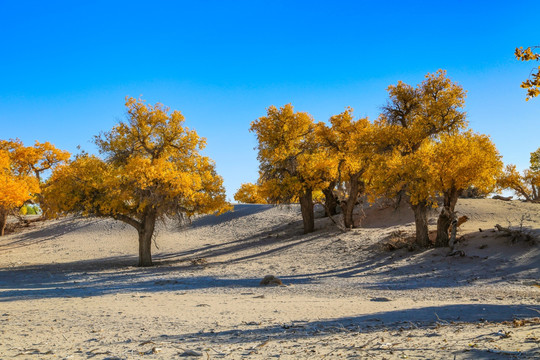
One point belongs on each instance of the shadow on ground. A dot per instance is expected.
(35, 236)
(240, 210)
(407, 319)
(373, 270)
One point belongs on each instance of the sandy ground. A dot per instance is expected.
(69, 290)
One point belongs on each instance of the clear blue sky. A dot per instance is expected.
(66, 66)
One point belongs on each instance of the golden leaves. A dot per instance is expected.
(249, 193)
(152, 162)
(20, 169)
(526, 184)
(15, 189)
(464, 160)
(291, 159)
(533, 83)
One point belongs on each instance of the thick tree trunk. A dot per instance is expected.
(145, 238)
(446, 217)
(306, 206)
(330, 200)
(421, 222)
(3, 221)
(347, 206)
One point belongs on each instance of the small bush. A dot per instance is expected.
(30, 210)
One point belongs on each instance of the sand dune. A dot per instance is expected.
(68, 289)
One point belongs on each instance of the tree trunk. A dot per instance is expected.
(3, 221)
(446, 217)
(421, 222)
(347, 206)
(330, 200)
(306, 206)
(145, 238)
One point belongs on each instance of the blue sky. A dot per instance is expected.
(66, 66)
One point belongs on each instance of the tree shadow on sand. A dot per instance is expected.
(173, 271)
(266, 241)
(38, 235)
(375, 269)
(433, 268)
(426, 318)
(240, 210)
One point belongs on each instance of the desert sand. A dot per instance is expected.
(69, 289)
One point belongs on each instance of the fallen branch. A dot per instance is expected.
(503, 198)
(327, 211)
(516, 234)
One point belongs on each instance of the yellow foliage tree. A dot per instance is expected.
(292, 165)
(412, 118)
(393, 174)
(152, 169)
(457, 162)
(15, 187)
(350, 146)
(249, 194)
(535, 160)
(533, 83)
(526, 185)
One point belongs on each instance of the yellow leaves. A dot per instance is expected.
(433, 107)
(526, 185)
(533, 83)
(464, 160)
(455, 161)
(291, 159)
(348, 143)
(412, 120)
(152, 162)
(15, 189)
(75, 186)
(526, 54)
(249, 194)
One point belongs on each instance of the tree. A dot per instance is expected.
(249, 194)
(151, 169)
(350, 146)
(458, 162)
(15, 188)
(533, 83)
(393, 174)
(22, 169)
(291, 166)
(526, 185)
(412, 117)
(535, 161)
